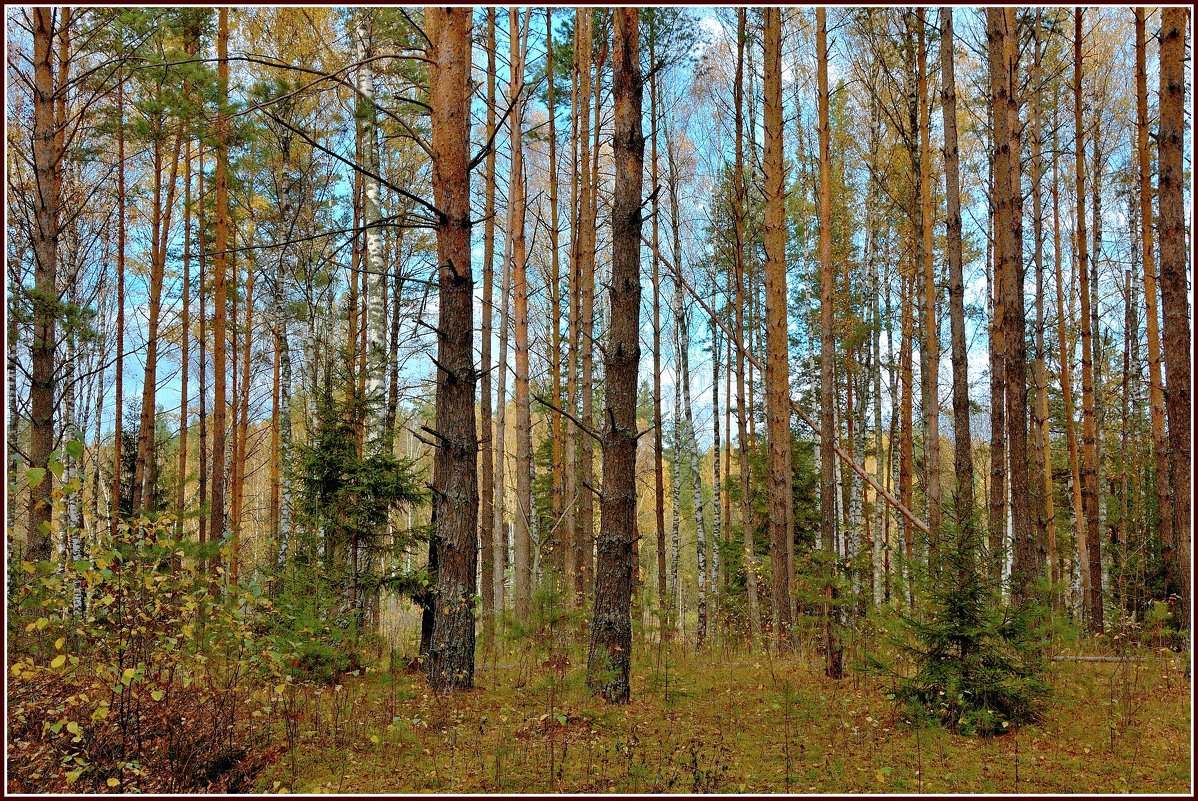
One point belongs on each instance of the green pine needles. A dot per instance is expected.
(978, 667)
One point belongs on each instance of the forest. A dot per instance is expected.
(598, 400)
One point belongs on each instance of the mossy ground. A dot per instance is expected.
(726, 721)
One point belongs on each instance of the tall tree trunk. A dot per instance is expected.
(585, 531)
(185, 336)
(521, 540)
(557, 476)
(202, 489)
(579, 118)
(1174, 301)
(372, 253)
(833, 666)
(777, 357)
(1008, 227)
(487, 452)
(1045, 528)
(1089, 471)
(1066, 350)
(145, 468)
(930, 350)
(1156, 394)
(455, 479)
(610, 652)
(962, 438)
(47, 163)
(118, 422)
(216, 527)
(658, 449)
(739, 211)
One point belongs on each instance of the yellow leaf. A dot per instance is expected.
(114, 782)
(58, 661)
(74, 729)
(374, 738)
(58, 643)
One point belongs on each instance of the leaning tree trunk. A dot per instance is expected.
(609, 656)
(455, 467)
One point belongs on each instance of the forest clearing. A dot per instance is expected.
(598, 400)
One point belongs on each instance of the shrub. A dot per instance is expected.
(977, 667)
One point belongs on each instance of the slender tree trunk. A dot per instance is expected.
(216, 527)
(1008, 228)
(746, 513)
(997, 515)
(609, 656)
(580, 72)
(930, 350)
(202, 489)
(1066, 350)
(585, 531)
(658, 449)
(557, 476)
(777, 361)
(962, 438)
(486, 510)
(185, 336)
(1045, 528)
(521, 540)
(1174, 301)
(118, 422)
(372, 254)
(145, 468)
(1089, 471)
(833, 666)
(47, 160)
(1156, 394)
(455, 480)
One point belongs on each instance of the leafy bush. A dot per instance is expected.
(127, 670)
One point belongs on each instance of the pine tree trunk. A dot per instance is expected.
(585, 531)
(930, 350)
(1174, 301)
(658, 449)
(216, 527)
(118, 422)
(455, 480)
(1156, 394)
(962, 438)
(486, 509)
(521, 539)
(739, 211)
(609, 656)
(833, 666)
(1008, 227)
(777, 358)
(185, 336)
(1089, 470)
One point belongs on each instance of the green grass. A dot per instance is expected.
(733, 722)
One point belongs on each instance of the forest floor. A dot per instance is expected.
(726, 722)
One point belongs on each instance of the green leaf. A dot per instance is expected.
(57, 468)
(75, 449)
(157, 695)
(35, 476)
